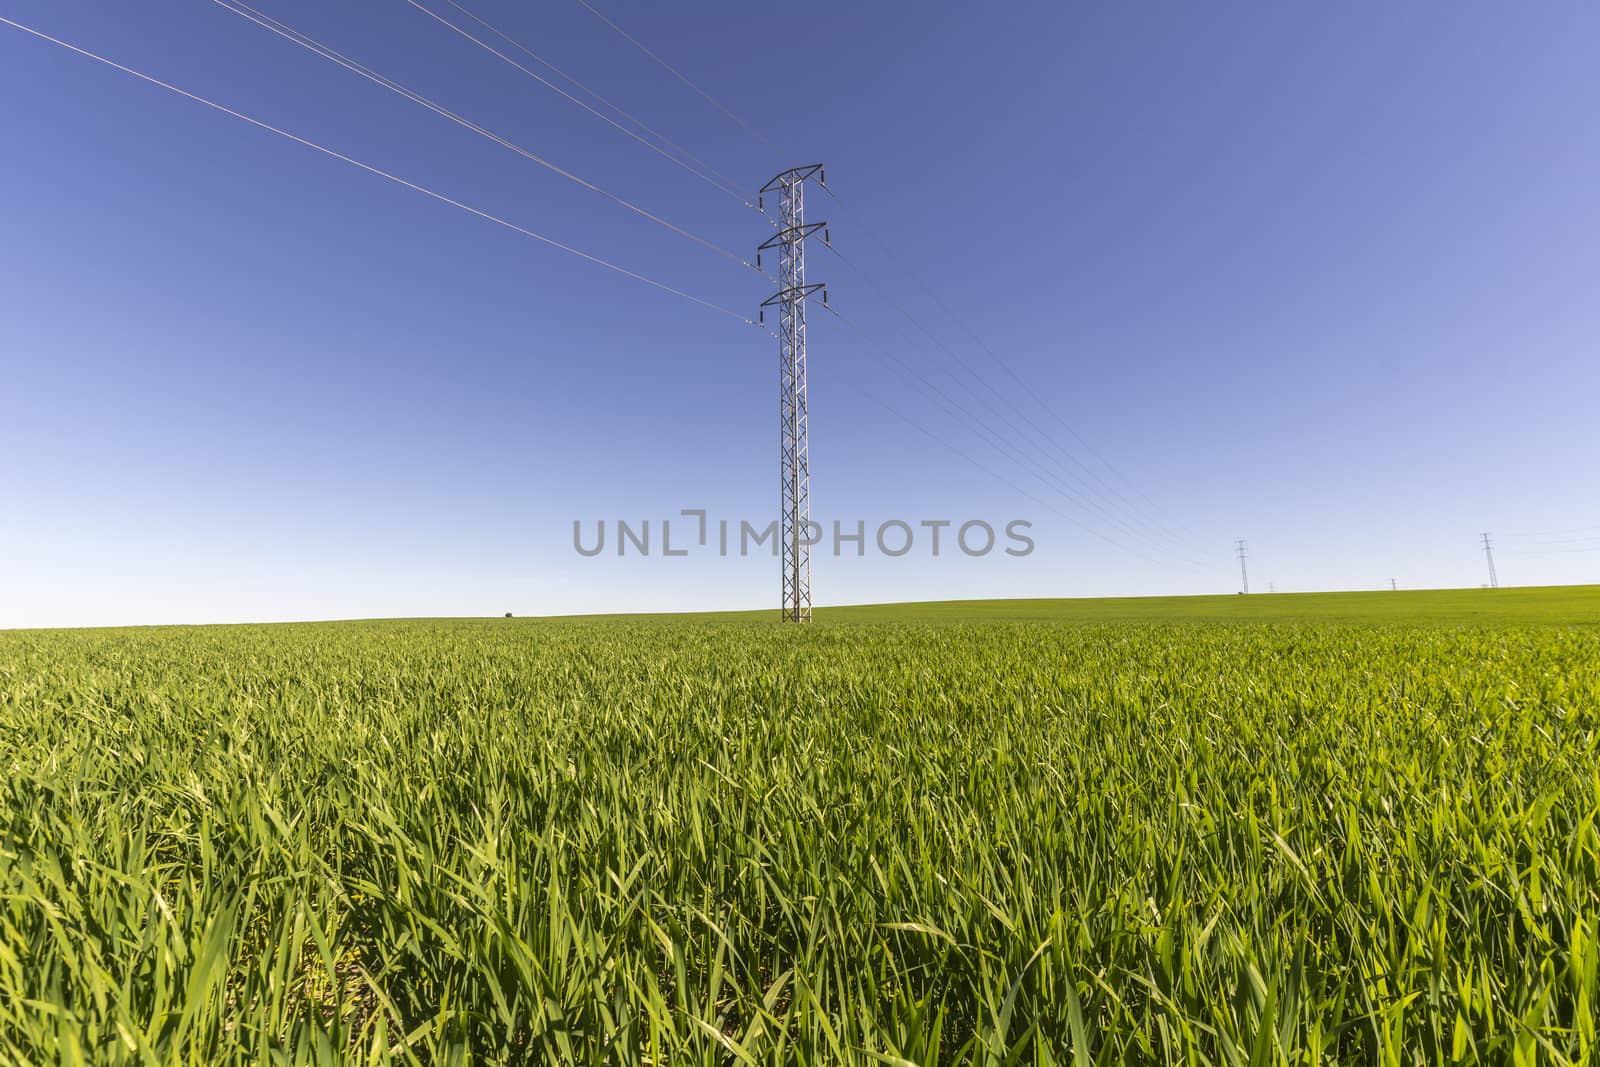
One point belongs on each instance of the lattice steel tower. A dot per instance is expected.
(794, 468)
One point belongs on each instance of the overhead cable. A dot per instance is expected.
(730, 184)
(676, 73)
(289, 33)
(607, 119)
(370, 169)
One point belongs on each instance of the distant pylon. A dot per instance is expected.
(1488, 554)
(795, 535)
(1394, 586)
(1244, 573)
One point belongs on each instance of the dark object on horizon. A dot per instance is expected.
(508, 614)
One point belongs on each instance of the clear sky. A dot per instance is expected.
(1321, 277)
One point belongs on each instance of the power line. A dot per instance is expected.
(1025, 387)
(607, 119)
(953, 406)
(676, 73)
(1013, 451)
(993, 437)
(1549, 551)
(442, 198)
(1553, 533)
(310, 44)
(1560, 541)
(999, 411)
(732, 185)
(1002, 479)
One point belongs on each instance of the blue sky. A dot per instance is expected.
(1321, 278)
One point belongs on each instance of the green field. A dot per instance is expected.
(1356, 828)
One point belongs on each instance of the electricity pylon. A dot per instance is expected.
(1488, 554)
(1244, 575)
(794, 465)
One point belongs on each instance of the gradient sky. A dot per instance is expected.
(1319, 277)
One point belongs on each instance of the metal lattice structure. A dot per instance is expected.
(795, 534)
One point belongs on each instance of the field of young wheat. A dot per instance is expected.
(970, 839)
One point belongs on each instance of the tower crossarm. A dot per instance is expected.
(794, 292)
(793, 176)
(791, 234)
